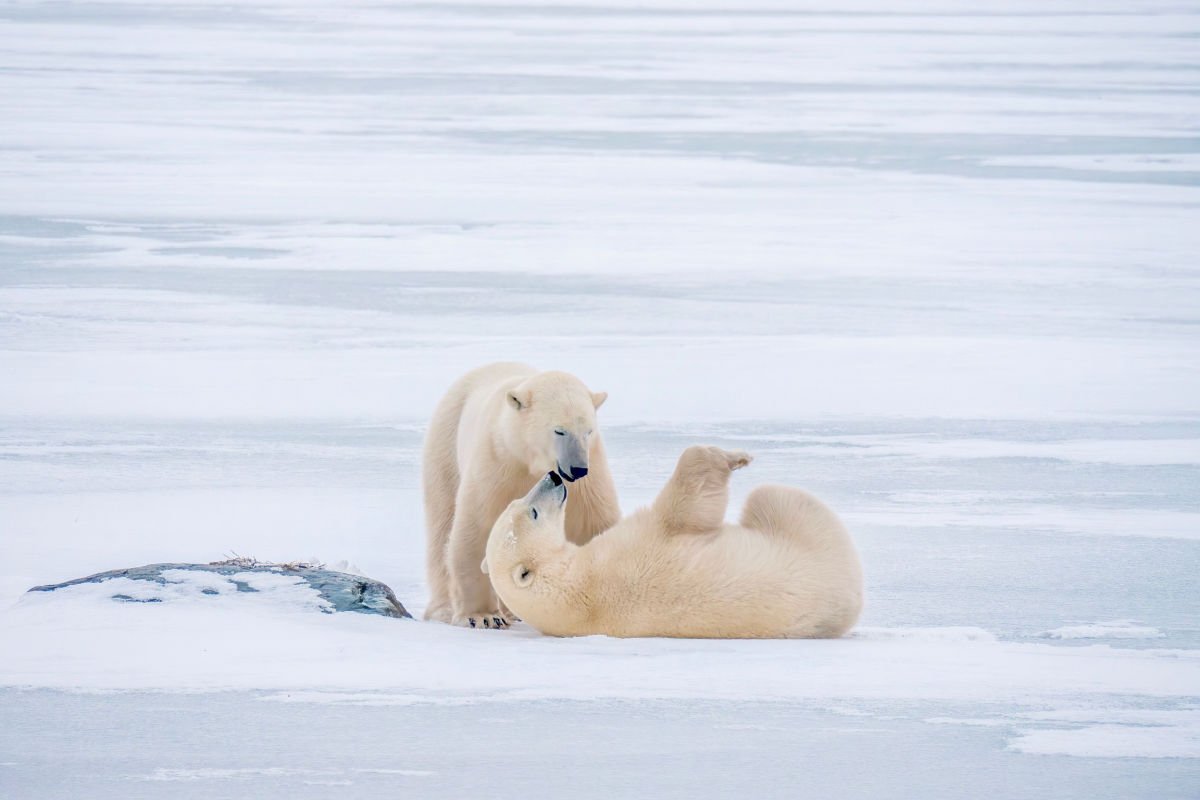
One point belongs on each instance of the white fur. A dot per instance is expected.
(676, 568)
(491, 436)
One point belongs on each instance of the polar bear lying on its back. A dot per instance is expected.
(676, 568)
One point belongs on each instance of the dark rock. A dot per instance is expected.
(343, 591)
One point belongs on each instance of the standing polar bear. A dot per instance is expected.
(498, 429)
(676, 568)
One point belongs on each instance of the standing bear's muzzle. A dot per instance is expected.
(572, 456)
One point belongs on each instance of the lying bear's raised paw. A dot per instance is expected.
(707, 457)
(737, 458)
(733, 459)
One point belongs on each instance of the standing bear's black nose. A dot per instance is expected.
(578, 472)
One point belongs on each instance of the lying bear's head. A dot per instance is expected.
(552, 419)
(526, 546)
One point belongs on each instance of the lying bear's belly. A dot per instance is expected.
(732, 584)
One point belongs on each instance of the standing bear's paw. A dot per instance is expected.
(493, 620)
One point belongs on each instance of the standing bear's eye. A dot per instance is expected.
(559, 432)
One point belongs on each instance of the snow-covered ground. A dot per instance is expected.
(934, 261)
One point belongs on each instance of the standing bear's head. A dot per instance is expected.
(528, 559)
(551, 419)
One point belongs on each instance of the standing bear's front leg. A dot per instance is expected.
(696, 496)
(475, 604)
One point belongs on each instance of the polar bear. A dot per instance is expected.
(497, 430)
(676, 568)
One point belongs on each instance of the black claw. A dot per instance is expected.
(486, 624)
(472, 621)
(497, 621)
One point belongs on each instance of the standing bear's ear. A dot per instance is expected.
(598, 399)
(519, 398)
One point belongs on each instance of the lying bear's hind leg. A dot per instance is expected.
(697, 494)
(795, 514)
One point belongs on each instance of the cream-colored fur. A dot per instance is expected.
(498, 429)
(676, 568)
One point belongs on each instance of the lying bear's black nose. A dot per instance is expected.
(553, 476)
(578, 472)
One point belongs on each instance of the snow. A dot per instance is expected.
(933, 261)
(288, 591)
(199, 643)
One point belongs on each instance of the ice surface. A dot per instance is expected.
(933, 261)
(1116, 629)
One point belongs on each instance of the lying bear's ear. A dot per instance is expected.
(518, 398)
(598, 398)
